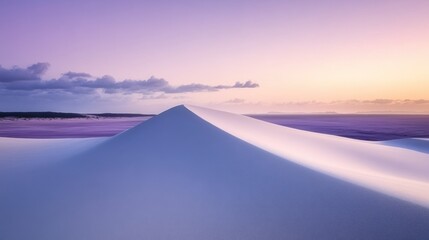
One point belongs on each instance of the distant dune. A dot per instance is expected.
(195, 173)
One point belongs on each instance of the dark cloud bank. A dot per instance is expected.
(29, 80)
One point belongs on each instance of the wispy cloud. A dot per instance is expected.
(381, 105)
(352, 106)
(76, 75)
(235, 101)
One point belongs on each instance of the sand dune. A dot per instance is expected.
(416, 144)
(194, 173)
(398, 172)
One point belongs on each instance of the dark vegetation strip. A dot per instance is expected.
(67, 115)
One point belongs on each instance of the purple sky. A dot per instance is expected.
(298, 52)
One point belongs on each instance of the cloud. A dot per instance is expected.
(29, 79)
(193, 87)
(248, 84)
(77, 75)
(380, 101)
(31, 73)
(418, 101)
(235, 101)
(355, 106)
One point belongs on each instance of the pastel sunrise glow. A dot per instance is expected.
(240, 56)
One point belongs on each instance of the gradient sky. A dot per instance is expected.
(306, 56)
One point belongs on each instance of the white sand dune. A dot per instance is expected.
(397, 172)
(417, 144)
(194, 173)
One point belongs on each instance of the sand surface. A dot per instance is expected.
(195, 173)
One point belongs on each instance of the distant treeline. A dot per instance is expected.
(68, 115)
(121, 115)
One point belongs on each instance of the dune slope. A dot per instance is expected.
(416, 144)
(185, 175)
(401, 173)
